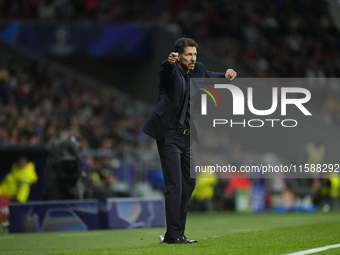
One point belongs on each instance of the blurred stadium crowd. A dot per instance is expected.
(282, 38)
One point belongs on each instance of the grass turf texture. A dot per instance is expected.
(219, 233)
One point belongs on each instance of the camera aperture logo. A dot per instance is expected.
(238, 105)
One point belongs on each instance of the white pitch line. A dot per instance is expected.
(315, 250)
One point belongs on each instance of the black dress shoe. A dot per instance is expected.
(189, 241)
(177, 240)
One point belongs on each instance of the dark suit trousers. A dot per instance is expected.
(174, 150)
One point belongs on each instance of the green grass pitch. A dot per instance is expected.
(217, 233)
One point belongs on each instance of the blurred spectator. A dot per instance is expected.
(47, 9)
(4, 212)
(202, 196)
(327, 192)
(315, 153)
(103, 179)
(17, 184)
(236, 182)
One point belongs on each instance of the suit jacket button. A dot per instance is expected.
(176, 108)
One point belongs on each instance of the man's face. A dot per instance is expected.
(22, 162)
(187, 59)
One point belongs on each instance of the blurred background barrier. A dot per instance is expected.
(80, 40)
(132, 213)
(62, 215)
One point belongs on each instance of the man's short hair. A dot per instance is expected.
(182, 43)
(23, 157)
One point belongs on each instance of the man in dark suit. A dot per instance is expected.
(170, 124)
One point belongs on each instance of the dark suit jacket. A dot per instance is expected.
(171, 93)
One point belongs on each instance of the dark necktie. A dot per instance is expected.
(186, 100)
